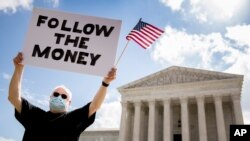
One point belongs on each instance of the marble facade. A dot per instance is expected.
(181, 103)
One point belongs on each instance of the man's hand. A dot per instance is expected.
(18, 61)
(110, 76)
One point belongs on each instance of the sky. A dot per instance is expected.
(212, 35)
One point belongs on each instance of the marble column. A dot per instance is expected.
(123, 124)
(151, 121)
(137, 121)
(237, 109)
(221, 130)
(185, 119)
(201, 118)
(167, 116)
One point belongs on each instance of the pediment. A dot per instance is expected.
(175, 75)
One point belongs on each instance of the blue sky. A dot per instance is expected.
(213, 35)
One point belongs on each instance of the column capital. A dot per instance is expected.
(217, 97)
(184, 99)
(137, 103)
(200, 98)
(235, 97)
(151, 101)
(166, 101)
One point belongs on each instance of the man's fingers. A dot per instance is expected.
(112, 73)
(19, 58)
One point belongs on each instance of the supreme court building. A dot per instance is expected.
(177, 104)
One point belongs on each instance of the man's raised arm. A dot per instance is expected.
(15, 83)
(101, 93)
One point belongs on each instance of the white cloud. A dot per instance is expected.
(108, 116)
(175, 5)
(11, 6)
(40, 101)
(202, 17)
(214, 9)
(246, 115)
(208, 10)
(5, 139)
(27, 81)
(54, 3)
(6, 76)
(241, 65)
(209, 51)
(240, 34)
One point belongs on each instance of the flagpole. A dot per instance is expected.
(122, 53)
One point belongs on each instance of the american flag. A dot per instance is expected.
(144, 34)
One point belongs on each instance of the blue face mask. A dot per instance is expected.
(57, 104)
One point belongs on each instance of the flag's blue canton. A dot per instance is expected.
(140, 25)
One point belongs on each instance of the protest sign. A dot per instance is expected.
(71, 42)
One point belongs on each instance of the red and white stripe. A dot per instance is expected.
(146, 36)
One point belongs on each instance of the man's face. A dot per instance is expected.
(60, 92)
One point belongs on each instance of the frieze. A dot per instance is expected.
(178, 76)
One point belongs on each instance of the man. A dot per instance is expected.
(56, 124)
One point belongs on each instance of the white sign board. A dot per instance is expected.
(71, 42)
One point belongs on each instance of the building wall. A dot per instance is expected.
(180, 87)
(105, 135)
(113, 135)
